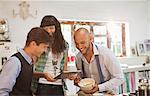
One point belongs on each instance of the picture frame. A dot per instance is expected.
(141, 49)
(147, 48)
(133, 51)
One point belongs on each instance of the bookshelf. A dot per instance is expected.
(132, 74)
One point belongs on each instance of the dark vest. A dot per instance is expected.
(22, 86)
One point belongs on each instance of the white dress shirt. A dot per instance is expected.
(110, 66)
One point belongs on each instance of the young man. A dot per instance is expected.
(16, 75)
(97, 62)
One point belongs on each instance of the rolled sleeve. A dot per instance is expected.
(116, 74)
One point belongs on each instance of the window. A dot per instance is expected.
(108, 34)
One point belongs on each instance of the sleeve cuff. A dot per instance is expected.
(101, 88)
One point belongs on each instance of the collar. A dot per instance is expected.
(26, 56)
(95, 49)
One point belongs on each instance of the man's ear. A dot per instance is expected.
(33, 43)
(91, 37)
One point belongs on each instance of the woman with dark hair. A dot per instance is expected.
(52, 26)
(52, 62)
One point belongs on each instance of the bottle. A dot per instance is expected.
(143, 87)
(148, 88)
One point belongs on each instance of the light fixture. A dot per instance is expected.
(24, 11)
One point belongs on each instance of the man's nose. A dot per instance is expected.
(80, 46)
(45, 49)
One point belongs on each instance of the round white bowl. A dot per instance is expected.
(86, 84)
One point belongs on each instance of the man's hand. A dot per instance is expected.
(77, 80)
(91, 91)
(48, 77)
(72, 76)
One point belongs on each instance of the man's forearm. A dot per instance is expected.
(111, 85)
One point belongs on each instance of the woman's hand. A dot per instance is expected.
(48, 77)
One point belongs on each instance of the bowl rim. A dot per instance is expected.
(85, 79)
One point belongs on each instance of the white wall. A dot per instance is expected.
(149, 19)
(135, 12)
(0, 10)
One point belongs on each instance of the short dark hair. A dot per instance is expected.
(39, 35)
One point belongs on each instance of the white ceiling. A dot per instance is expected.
(74, 0)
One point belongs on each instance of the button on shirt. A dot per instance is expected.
(110, 67)
(10, 72)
